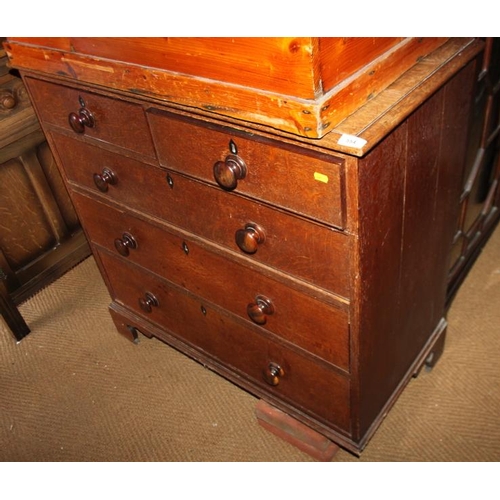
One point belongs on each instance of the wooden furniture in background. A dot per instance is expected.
(311, 271)
(40, 235)
(480, 196)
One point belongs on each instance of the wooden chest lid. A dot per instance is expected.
(305, 86)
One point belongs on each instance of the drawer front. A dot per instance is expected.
(310, 251)
(285, 177)
(314, 388)
(116, 122)
(313, 325)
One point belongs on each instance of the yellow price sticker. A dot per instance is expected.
(321, 177)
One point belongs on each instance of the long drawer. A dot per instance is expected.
(310, 251)
(319, 391)
(99, 117)
(285, 176)
(313, 325)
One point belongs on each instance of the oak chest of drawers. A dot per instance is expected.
(313, 272)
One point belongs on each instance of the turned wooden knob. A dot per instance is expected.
(227, 173)
(259, 310)
(7, 100)
(106, 178)
(272, 373)
(78, 121)
(124, 244)
(147, 302)
(250, 237)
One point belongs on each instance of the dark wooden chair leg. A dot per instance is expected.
(10, 312)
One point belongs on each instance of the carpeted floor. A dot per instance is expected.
(75, 390)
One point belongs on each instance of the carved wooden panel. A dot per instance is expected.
(40, 235)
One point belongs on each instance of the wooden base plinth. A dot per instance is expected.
(294, 432)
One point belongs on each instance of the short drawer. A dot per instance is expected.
(310, 251)
(282, 175)
(112, 121)
(272, 367)
(316, 326)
